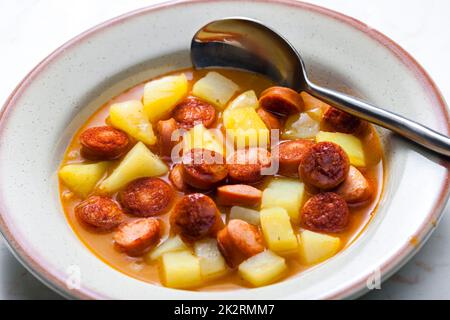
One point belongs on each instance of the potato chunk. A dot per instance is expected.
(215, 89)
(201, 138)
(277, 229)
(129, 116)
(285, 193)
(180, 270)
(316, 247)
(301, 126)
(212, 264)
(351, 145)
(138, 163)
(263, 268)
(170, 245)
(162, 95)
(245, 128)
(246, 99)
(312, 102)
(245, 214)
(82, 178)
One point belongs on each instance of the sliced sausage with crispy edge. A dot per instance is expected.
(340, 121)
(290, 154)
(239, 241)
(166, 129)
(245, 165)
(325, 166)
(100, 212)
(238, 195)
(138, 236)
(176, 177)
(355, 188)
(193, 111)
(103, 143)
(271, 121)
(203, 169)
(282, 101)
(325, 212)
(195, 216)
(146, 197)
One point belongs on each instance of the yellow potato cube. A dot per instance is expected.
(300, 126)
(82, 178)
(245, 128)
(277, 229)
(246, 99)
(129, 116)
(263, 268)
(180, 270)
(170, 245)
(215, 89)
(245, 214)
(212, 264)
(139, 162)
(285, 193)
(200, 137)
(162, 95)
(316, 247)
(351, 145)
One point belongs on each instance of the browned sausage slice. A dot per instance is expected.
(325, 212)
(166, 129)
(193, 111)
(271, 121)
(355, 188)
(289, 155)
(176, 177)
(138, 236)
(340, 121)
(100, 212)
(282, 101)
(103, 143)
(245, 165)
(325, 166)
(195, 216)
(202, 168)
(238, 195)
(147, 197)
(239, 241)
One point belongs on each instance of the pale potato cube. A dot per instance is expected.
(245, 214)
(212, 264)
(246, 99)
(263, 268)
(162, 95)
(300, 126)
(245, 128)
(215, 89)
(138, 163)
(316, 114)
(82, 178)
(169, 245)
(201, 138)
(351, 145)
(285, 193)
(180, 269)
(277, 230)
(316, 247)
(311, 102)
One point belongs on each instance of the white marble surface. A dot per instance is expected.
(30, 29)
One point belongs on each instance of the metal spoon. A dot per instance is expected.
(242, 43)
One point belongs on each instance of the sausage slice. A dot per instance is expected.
(282, 101)
(165, 129)
(245, 165)
(195, 216)
(99, 212)
(325, 166)
(202, 168)
(176, 177)
(355, 188)
(147, 197)
(290, 154)
(239, 241)
(325, 212)
(340, 121)
(270, 120)
(103, 143)
(193, 111)
(136, 237)
(238, 195)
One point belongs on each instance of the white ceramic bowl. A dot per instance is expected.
(44, 111)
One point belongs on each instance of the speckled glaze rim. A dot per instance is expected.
(39, 268)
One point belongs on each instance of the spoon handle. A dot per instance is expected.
(411, 130)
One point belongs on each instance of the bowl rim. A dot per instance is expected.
(56, 281)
